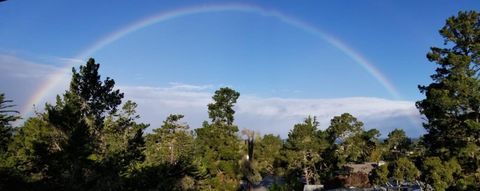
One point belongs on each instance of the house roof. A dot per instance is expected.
(363, 167)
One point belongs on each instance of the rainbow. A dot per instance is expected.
(55, 79)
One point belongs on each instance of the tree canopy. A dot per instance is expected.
(452, 102)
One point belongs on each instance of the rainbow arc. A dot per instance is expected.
(55, 79)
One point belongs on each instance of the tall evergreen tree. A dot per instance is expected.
(379, 175)
(221, 110)
(345, 136)
(396, 144)
(120, 150)
(170, 143)
(344, 126)
(69, 170)
(440, 174)
(169, 162)
(267, 152)
(97, 98)
(218, 148)
(7, 116)
(78, 116)
(404, 170)
(302, 151)
(9, 180)
(32, 154)
(452, 103)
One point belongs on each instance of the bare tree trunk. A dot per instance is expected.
(171, 152)
(305, 171)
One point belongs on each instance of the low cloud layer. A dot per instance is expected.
(263, 114)
(20, 78)
(274, 115)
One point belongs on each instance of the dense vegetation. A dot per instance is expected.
(89, 140)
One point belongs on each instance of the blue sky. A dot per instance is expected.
(262, 57)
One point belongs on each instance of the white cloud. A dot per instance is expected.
(20, 78)
(182, 86)
(275, 115)
(15, 67)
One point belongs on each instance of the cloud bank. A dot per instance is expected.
(263, 114)
(20, 79)
(273, 115)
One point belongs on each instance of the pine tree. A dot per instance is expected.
(6, 117)
(452, 103)
(78, 116)
(218, 148)
(302, 151)
(120, 149)
(221, 110)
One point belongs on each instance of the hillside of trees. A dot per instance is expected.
(90, 138)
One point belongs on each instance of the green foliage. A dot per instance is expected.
(32, 147)
(72, 146)
(343, 127)
(344, 135)
(369, 145)
(178, 176)
(373, 147)
(397, 144)
(76, 143)
(6, 117)
(170, 143)
(470, 157)
(218, 151)
(440, 174)
(453, 99)
(267, 153)
(221, 110)
(302, 150)
(8, 177)
(379, 175)
(217, 144)
(397, 140)
(249, 164)
(405, 170)
(277, 187)
(249, 171)
(96, 97)
(120, 150)
(83, 142)
(29, 156)
(169, 162)
(350, 143)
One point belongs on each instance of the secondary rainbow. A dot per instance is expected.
(63, 74)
